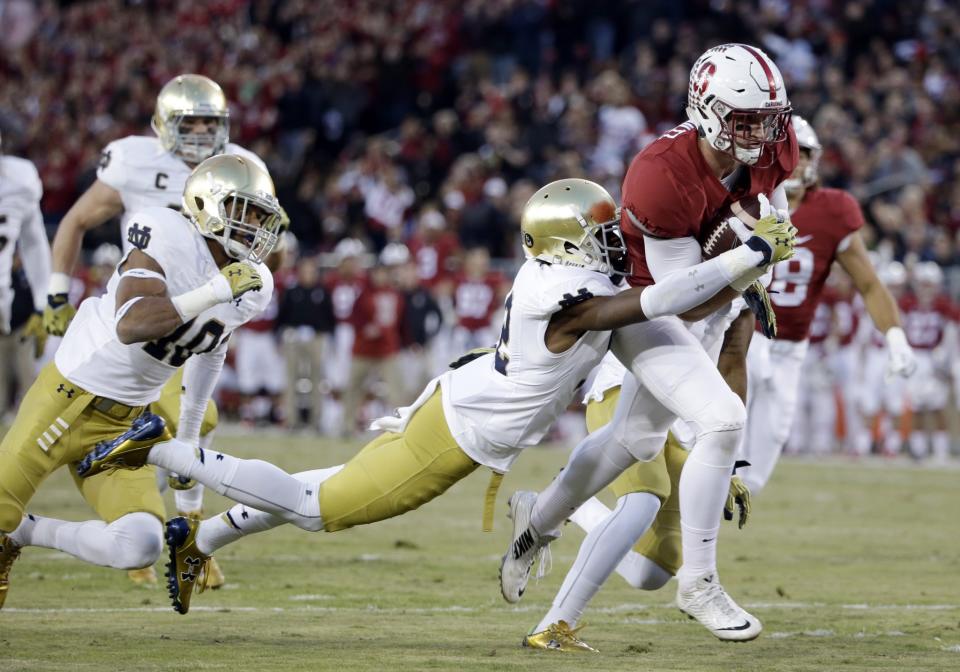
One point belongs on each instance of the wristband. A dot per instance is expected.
(896, 339)
(59, 283)
(190, 304)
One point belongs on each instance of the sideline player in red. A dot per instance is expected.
(738, 142)
(828, 225)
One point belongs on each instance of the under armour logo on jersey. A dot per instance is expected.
(69, 393)
(572, 300)
(237, 301)
(139, 236)
(220, 457)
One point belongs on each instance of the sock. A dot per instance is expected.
(918, 444)
(256, 483)
(590, 514)
(602, 550)
(594, 464)
(132, 541)
(643, 573)
(941, 445)
(240, 521)
(189, 501)
(704, 484)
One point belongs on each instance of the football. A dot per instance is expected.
(718, 236)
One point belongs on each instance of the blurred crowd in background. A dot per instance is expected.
(405, 135)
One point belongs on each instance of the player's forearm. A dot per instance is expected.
(66, 245)
(732, 362)
(882, 307)
(147, 319)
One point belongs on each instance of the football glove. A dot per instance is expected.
(469, 356)
(900, 358)
(738, 499)
(57, 314)
(243, 278)
(774, 237)
(759, 302)
(34, 329)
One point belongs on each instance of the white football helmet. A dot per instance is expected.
(894, 274)
(928, 273)
(738, 101)
(806, 139)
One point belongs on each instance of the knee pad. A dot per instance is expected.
(726, 413)
(139, 540)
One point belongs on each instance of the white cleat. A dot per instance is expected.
(707, 601)
(527, 546)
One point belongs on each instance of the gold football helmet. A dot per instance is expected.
(187, 96)
(233, 201)
(574, 222)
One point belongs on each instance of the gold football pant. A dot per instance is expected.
(57, 424)
(660, 477)
(396, 473)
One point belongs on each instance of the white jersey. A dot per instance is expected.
(21, 221)
(503, 402)
(146, 175)
(91, 354)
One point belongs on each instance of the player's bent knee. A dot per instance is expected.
(726, 413)
(312, 524)
(653, 582)
(139, 541)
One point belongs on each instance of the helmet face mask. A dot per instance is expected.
(232, 201)
(738, 101)
(185, 107)
(574, 222)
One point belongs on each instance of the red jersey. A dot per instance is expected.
(924, 325)
(432, 259)
(669, 191)
(823, 219)
(476, 301)
(376, 318)
(343, 294)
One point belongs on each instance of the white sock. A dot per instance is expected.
(191, 501)
(240, 521)
(638, 570)
(918, 444)
(256, 483)
(941, 445)
(643, 573)
(599, 555)
(704, 484)
(132, 541)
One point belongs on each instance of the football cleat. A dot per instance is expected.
(127, 451)
(213, 577)
(558, 637)
(145, 578)
(707, 601)
(188, 566)
(528, 545)
(9, 552)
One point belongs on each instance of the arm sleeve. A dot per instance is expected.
(35, 252)
(666, 256)
(200, 377)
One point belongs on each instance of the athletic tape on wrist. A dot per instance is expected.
(190, 304)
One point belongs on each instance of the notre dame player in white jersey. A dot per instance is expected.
(173, 302)
(21, 231)
(555, 330)
(191, 123)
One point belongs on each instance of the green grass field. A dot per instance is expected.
(850, 567)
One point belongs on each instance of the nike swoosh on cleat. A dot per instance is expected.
(746, 624)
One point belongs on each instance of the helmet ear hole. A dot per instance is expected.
(570, 247)
(199, 202)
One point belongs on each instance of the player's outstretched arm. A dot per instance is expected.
(879, 303)
(145, 312)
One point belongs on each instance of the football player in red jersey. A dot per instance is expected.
(828, 225)
(930, 318)
(738, 142)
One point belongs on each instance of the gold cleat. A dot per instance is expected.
(212, 576)
(9, 552)
(558, 637)
(145, 578)
(188, 567)
(177, 482)
(127, 451)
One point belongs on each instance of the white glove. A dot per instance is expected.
(900, 358)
